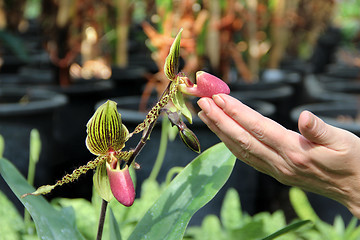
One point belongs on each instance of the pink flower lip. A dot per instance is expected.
(121, 185)
(206, 85)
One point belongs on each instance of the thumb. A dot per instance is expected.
(316, 130)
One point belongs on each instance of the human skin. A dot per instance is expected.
(321, 158)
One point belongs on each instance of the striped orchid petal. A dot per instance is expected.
(105, 131)
(171, 66)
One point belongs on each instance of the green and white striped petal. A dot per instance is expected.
(105, 131)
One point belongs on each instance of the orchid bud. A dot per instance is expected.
(206, 85)
(190, 139)
(121, 184)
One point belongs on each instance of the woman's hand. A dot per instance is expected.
(322, 159)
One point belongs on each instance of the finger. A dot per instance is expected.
(237, 139)
(242, 154)
(262, 128)
(331, 142)
(317, 131)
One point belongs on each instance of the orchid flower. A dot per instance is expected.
(107, 135)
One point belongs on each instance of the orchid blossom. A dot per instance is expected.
(107, 135)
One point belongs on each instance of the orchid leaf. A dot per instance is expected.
(114, 227)
(190, 190)
(231, 213)
(11, 222)
(50, 223)
(301, 205)
(171, 66)
(291, 227)
(86, 215)
(105, 130)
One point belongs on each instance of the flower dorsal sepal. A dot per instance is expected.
(105, 131)
(171, 66)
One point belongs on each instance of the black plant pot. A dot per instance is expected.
(143, 60)
(35, 73)
(336, 88)
(21, 110)
(243, 178)
(331, 113)
(336, 71)
(128, 81)
(277, 93)
(340, 85)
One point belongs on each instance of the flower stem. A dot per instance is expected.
(146, 135)
(162, 149)
(102, 219)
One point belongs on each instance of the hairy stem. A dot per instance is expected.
(147, 133)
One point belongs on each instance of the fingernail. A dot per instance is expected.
(204, 104)
(203, 117)
(311, 120)
(201, 114)
(219, 101)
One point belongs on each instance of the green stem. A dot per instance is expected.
(31, 172)
(172, 172)
(162, 149)
(2, 146)
(34, 154)
(101, 219)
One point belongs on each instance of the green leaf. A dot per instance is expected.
(231, 214)
(114, 227)
(353, 235)
(289, 228)
(339, 225)
(351, 229)
(86, 216)
(211, 227)
(105, 130)
(301, 205)
(50, 223)
(171, 65)
(195, 186)
(250, 231)
(11, 222)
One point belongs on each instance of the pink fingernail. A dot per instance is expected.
(204, 104)
(219, 101)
